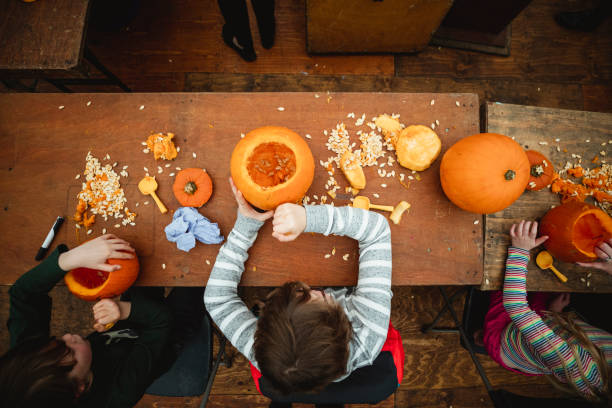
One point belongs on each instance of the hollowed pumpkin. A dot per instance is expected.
(417, 147)
(541, 171)
(484, 173)
(92, 284)
(574, 229)
(272, 165)
(192, 187)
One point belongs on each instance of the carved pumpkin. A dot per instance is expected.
(192, 187)
(541, 171)
(92, 284)
(417, 147)
(272, 165)
(574, 229)
(484, 173)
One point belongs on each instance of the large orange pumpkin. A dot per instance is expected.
(272, 165)
(484, 173)
(92, 284)
(574, 229)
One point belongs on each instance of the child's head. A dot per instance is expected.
(302, 339)
(566, 327)
(45, 371)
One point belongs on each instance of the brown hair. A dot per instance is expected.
(301, 346)
(35, 374)
(566, 327)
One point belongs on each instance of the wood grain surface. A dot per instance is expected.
(43, 35)
(579, 133)
(45, 148)
(334, 26)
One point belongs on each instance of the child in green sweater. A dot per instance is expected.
(105, 369)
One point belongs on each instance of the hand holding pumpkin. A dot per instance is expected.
(245, 208)
(289, 222)
(93, 254)
(110, 311)
(524, 235)
(604, 252)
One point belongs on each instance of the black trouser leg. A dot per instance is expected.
(187, 307)
(266, 23)
(237, 31)
(274, 404)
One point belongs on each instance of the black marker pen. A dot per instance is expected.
(45, 246)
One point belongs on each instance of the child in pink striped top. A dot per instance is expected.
(532, 336)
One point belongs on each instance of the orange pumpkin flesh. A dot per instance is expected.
(574, 229)
(272, 165)
(541, 171)
(92, 284)
(192, 187)
(484, 173)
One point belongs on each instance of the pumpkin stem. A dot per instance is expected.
(509, 175)
(190, 187)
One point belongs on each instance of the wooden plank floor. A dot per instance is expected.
(176, 46)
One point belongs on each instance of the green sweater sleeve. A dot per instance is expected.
(153, 322)
(30, 304)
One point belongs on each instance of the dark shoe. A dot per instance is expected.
(266, 23)
(585, 20)
(247, 53)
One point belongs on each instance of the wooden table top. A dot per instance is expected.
(531, 126)
(43, 35)
(44, 148)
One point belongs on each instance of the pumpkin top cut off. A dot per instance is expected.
(192, 187)
(541, 172)
(272, 165)
(484, 173)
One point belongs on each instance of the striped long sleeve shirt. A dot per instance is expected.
(535, 345)
(368, 306)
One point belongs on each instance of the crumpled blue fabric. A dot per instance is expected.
(188, 225)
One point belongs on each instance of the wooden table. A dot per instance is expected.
(531, 126)
(44, 148)
(46, 39)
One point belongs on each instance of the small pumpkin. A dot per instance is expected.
(352, 170)
(92, 284)
(192, 187)
(417, 147)
(541, 171)
(484, 173)
(574, 229)
(272, 165)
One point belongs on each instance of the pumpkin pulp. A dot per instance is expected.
(588, 232)
(271, 164)
(90, 278)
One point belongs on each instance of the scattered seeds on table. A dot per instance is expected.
(327, 256)
(103, 231)
(117, 225)
(137, 204)
(145, 150)
(60, 107)
(141, 107)
(476, 222)
(437, 122)
(89, 232)
(77, 176)
(345, 257)
(376, 195)
(146, 203)
(432, 102)
(383, 185)
(178, 168)
(207, 262)
(178, 148)
(167, 165)
(194, 155)
(171, 174)
(308, 136)
(163, 266)
(280, 108)
(457, 103)
(88, 103)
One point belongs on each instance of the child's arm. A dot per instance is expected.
(551, 348)
(30, 304)
(371, 302)
(234, 319)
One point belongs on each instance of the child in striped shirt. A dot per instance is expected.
(304, 338)
(532, 336)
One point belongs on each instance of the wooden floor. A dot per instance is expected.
(176, 46)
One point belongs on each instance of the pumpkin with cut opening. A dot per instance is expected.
(92, 284)
(272, 165)
(574, 229)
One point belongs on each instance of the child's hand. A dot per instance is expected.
(524, 235)
(245, 208)
(604, 252)
(289, 222)
(93, 254)
(559, 302)
(109, 311)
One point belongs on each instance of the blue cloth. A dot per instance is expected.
(188, 225)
